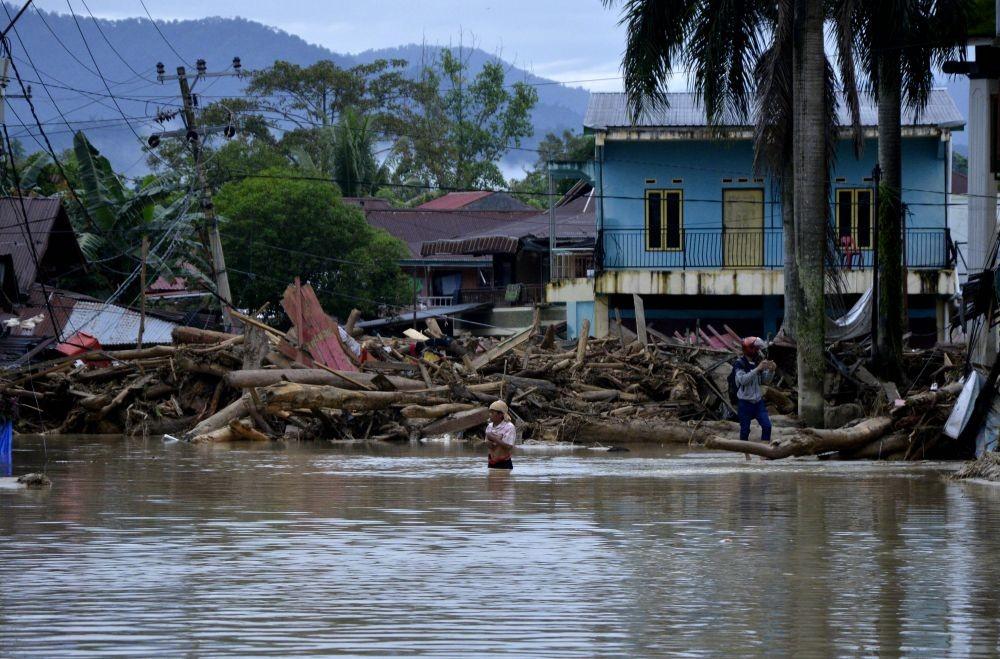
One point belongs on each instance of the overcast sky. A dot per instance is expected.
(567, 40)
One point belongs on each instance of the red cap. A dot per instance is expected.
(751, 345)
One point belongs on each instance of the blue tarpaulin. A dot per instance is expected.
(6, 439)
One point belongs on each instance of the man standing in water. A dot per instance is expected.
(500, 436)
(750, 372)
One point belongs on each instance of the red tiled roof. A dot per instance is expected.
(454, 200)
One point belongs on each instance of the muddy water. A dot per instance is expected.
(148, 549)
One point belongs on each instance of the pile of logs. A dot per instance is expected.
(217, 387)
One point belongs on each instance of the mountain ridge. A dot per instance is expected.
(52, 49)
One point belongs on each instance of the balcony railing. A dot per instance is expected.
(510, 296)
(699, 249)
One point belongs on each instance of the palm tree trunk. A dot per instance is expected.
(811, 208)
(791, 266)
(889, 242)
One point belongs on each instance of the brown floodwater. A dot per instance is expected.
(143, 548)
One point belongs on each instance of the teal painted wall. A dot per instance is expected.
(700, 167)
(576, 312)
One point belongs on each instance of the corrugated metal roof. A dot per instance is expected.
(44, 215)
(417, 226)
(438, 312)
(113, 325)
(610, 110)
(454, 200)
(575, 220)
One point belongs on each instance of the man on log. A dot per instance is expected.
(749, 372)
(500, 436)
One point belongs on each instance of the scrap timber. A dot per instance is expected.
(305, 383)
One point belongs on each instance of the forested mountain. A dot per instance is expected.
(96, 72)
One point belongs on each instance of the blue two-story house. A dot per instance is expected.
(685, 221)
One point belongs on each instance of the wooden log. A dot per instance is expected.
(928, 398)
(238, 409)
(292, 396)
(434, 411)
(246, 432)
(184, 334)
(457, 422)
(185, 363)
(255, 347)
(352, 320)
(542, 386)
(269, 376)
(500, 349)
(124, 394)
(549, 342)
(809, 441)
(219, 435)
(581, 342)
(879, 449)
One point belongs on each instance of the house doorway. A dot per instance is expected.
(743, 228)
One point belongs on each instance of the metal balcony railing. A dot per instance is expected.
(695, 249)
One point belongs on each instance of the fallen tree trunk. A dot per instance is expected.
(238, 409)
(457, 422)
(879, 449)
(183, 334)
(293, 396)
(807, 441)
(434, 411)
(271, 376)
(243, 431)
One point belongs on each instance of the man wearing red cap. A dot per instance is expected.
(751, 371)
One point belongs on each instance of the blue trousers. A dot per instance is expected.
(6, 439)
(749, 411)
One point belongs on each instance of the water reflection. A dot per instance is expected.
(177, 549)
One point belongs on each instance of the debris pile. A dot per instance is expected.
(334, 383)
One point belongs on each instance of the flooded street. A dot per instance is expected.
(142, 548)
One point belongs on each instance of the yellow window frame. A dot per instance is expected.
(854, 215)
(664, 194)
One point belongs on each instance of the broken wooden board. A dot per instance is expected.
(317, 333)
(500, 349)
(640, 319)
(458, 422)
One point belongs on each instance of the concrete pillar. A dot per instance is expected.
(941, 309)
(602, 324)
(982, 198)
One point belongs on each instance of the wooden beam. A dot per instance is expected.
(640, 319)
(500, 349)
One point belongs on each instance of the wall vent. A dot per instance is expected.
(742, 180)
(867, 179)
(678, 180)
(841, 179)
(651, 181)
(758, 179)
(727, 180)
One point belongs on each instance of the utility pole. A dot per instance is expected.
(142, 288)
(194, 135)
(4, 66)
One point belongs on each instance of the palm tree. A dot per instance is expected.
(723, 42)
(899, 44)
(356, 168)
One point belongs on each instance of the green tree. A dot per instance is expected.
(533, 188)
(461, 129)
(111, 218)
(356, 167)
(277, 226)
(316, 95)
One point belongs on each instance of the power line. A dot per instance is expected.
(160, 32)
(108, 41)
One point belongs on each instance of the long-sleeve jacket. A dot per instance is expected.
(748, 382)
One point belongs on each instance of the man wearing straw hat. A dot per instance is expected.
(500, 436)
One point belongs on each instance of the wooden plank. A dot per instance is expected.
(316, 332)
(500, 349)
(640, 319)
(457, 422)
(433, 329)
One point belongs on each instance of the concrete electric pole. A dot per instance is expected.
(194, 134)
